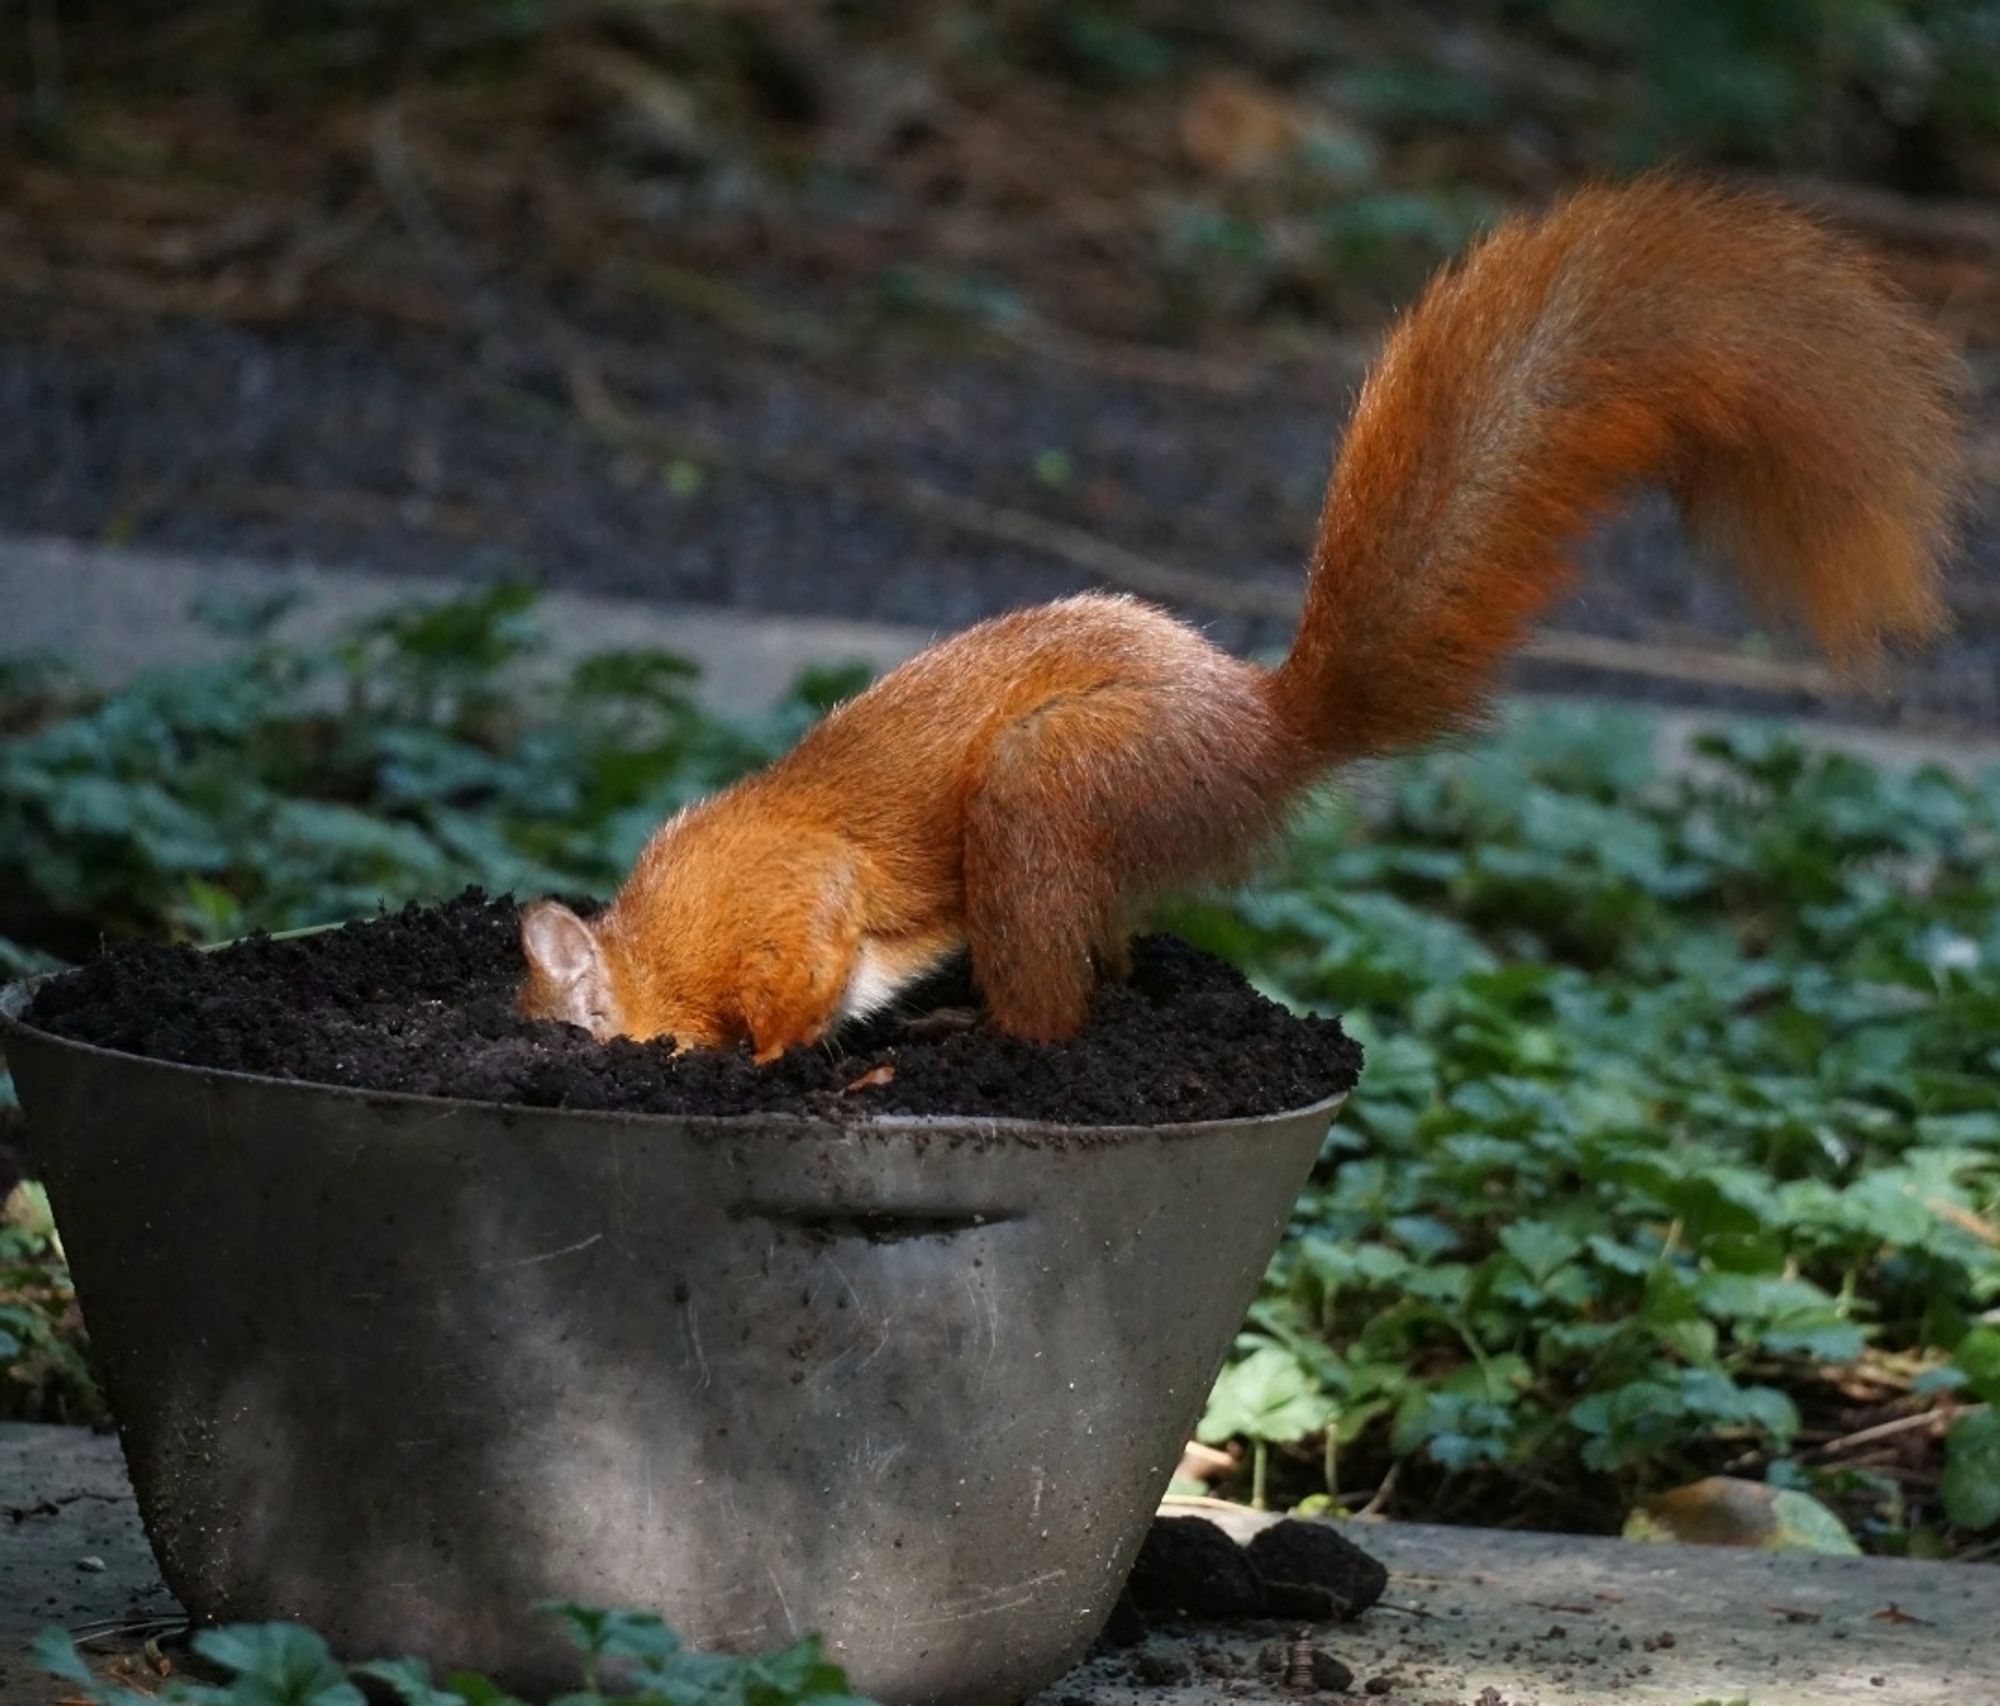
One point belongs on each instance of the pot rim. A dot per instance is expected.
(16, 995)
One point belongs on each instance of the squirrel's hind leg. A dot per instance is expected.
(1045, 911)
(1035, 909)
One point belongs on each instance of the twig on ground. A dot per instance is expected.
(1380, 1502)
(1890, 1429)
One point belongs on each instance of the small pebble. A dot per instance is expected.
(1159, 1670)
(91, 1566)
(1329, 1675)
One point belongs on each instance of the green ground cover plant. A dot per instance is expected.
(1677, 1150)
(628, 1656)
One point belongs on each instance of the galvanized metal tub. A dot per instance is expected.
(402, 1367)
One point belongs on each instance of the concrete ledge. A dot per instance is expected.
(1506, 1619)
(72, 1552)
(112, 611)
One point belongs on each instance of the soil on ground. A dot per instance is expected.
(1189, 1567)
(421, 1003)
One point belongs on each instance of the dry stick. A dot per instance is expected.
(1680, 663)
(741, 314)
(1901, 1425)
(1965, 1220)
(1118, 359)
(1134, 572)
(1380, 1502)
(1199, 1502)
(1967, 227)
(319, 248)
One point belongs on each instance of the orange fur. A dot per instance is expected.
(1020, 787)
(1719, 345)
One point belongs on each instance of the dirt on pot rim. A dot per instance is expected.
(421, 1002)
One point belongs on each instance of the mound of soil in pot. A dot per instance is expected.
(422, 1002)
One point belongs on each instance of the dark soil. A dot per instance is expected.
(1314, 1559)
(422, 1003)
(1189, 1568)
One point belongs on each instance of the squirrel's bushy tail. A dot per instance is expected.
(1719, 345)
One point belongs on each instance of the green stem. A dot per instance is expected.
(1260, 1454)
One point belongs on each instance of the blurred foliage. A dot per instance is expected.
(288, 1664)
(284, 785)
(1279, 158)
(1844, 85)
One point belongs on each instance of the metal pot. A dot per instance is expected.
(402, 1367)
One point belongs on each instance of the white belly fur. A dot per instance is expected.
(881, 974)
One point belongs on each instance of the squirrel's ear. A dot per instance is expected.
(558, 944)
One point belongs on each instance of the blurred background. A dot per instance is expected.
(907, 313)
(650, 346)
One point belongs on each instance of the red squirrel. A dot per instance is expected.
(1020, 789)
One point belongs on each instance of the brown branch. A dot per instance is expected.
(1900, 1425)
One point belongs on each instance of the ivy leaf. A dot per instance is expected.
(56, 1653)
(277, 1664)
(1970, 1486)
(1540, 1246)
(1267, 1396)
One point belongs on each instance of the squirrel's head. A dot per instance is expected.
(736, 926)
(579, 974)
(570, 976)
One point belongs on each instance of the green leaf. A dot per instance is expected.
(1540, 1246)
(1977, 1356)
(56, 1653)
(1267, 1396)
(615, 1634)
(1970, 1487)
(277, 1664)
(410, 1680)
(476, 1690)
